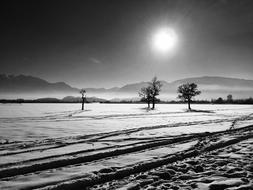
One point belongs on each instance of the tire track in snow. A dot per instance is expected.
(21, 170)
(95, 137)
(79, 171)
(85, 182)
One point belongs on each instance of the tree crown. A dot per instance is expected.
(82, 91)
(156, 86)
(146, 93)
(187, 91)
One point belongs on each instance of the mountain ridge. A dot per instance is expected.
(15, 85)
(27, 82)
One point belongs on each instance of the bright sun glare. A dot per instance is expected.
(164, 40)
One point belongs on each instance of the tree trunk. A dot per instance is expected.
(189, 104)
(153, 104)
(82, 103)
(148, 104)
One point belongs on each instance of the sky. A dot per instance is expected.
(96, 43)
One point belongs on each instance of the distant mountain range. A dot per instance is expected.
(23, 86)
(23, 83)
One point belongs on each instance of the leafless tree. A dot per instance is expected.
(155, 86)
(82, 92)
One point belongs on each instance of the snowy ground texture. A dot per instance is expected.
(125, 146)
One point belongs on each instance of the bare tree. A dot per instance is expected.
(187, 92)
(82, 92)
(155, 86)
(145, 93)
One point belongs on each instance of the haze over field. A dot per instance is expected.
(22, 86)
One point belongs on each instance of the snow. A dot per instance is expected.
(45, 135)
(46, 177)
(29, 122)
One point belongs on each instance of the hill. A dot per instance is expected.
(22, 86)
(32, 87)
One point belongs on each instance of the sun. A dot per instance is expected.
(164, 40)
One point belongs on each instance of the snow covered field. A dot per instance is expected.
(46, 145)
(25, 122)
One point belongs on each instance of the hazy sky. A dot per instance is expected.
(106, 43)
